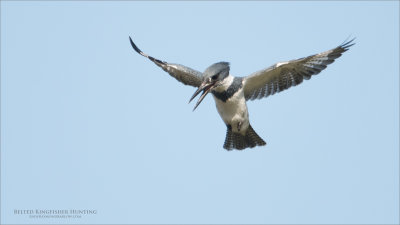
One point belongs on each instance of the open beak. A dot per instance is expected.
(206, 88)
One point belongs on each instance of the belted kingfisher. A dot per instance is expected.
(231, 93)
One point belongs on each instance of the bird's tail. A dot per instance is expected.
(238, 141)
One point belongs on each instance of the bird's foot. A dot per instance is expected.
(239, 125)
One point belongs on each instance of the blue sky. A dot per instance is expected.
(86, 123)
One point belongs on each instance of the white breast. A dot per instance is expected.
(234, 111)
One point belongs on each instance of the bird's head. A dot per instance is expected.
(212, 77)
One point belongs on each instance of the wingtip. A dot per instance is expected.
(347, 44)
(134, 46)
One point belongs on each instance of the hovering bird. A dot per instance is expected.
(231, 93)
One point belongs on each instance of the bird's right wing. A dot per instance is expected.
(186, 75)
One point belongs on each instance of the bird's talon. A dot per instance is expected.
(239, 126)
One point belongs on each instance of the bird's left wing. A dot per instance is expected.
(186, 75)
(284, 75)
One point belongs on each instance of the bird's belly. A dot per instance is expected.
(234, 112)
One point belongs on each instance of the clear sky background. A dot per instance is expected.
(86, 123)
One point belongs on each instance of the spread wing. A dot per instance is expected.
(186, 75)
(284, 75)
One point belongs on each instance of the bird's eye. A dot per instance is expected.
(214, 77)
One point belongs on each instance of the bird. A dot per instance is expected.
(231, 93)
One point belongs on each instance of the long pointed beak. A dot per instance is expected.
(206, 88)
